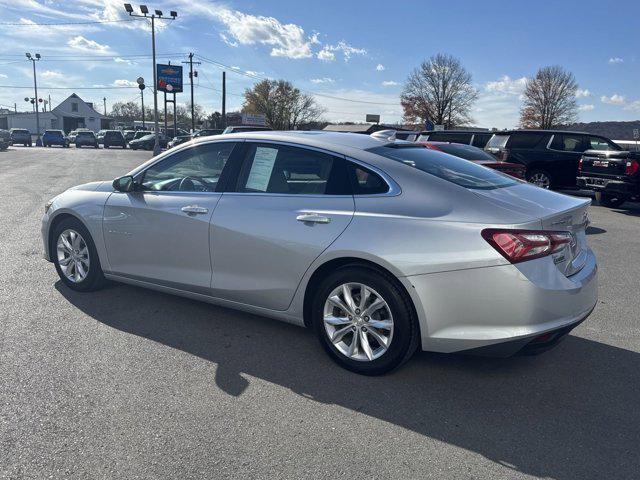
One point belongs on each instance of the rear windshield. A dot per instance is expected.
(497, 141)
(20, 131)
(85, 134)
(447, 167)
(55, 133)
(465, 151)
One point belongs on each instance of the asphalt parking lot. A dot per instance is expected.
(130, 383)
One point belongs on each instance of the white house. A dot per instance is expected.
(72, 113)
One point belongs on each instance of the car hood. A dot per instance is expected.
(527, 199)
(104, 186)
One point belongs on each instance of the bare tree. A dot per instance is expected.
(440, 91)
(284, 106)
(549, 99)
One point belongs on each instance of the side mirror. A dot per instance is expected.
(124, 184)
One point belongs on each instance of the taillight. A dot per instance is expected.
(521, 245)
(580, 166)
(631, 168)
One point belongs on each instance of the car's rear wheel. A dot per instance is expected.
(364, 321)
(541, 178)
(610, 200)
(75, 257)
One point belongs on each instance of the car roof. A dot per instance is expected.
(533, 130)
(425, 132)
(335, 141)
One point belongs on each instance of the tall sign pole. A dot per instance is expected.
(224, 99)
(157, 14)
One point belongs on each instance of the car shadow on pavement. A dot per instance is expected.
(571, 413)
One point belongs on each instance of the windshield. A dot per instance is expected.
(497, 141)
(447, 167)
(465, 151)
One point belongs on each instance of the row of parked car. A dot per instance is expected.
(552, 159)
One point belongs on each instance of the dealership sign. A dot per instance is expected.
(169, 78)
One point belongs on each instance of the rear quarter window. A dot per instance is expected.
(447, 167)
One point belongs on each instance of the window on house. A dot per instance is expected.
(74, 107)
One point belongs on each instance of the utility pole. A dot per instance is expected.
(191, 75)
(35, 88)
(157, 14)
(104, 101)
(224, 99)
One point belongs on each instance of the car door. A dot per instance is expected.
(288, 205)
(567, 150)
(160, 233)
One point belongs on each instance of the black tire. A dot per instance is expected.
(406, 333)
(95, 278)
(610, 200)
(538, 173)
(106, 146)
(78, 146)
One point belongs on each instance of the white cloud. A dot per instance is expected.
(287, 40)
(586, 108)
(253, 73)
(51, 75)
(389, 83)
(380, 67)
(2, 75)
(322, 80)
(614, 60)
(125, 83)
(583, 93)
(633, 106)
(124, 60)
(507, 85)
(326, 55)
(614, 99)
(86, 45)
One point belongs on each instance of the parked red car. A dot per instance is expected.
(479, 156)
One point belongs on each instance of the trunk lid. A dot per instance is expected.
(555, 211)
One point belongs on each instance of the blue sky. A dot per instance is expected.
(355, 55)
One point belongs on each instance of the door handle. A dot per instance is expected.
(312, 218)
(194, 210)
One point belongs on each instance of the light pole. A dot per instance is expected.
(33, 60)
(157, 14)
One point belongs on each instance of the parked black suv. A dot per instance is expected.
(614, 175)
(21, 135)
(477, 138)
(551, 156)
(114, 138)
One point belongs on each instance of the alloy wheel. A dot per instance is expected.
(73, 255)
(540, 179)
(358, 322)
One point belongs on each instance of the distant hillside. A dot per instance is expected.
(612, 130)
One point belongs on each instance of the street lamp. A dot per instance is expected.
(157, 14)
(33, 60)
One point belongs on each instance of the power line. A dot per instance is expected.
(92, 22)
(262, 77)
(72, 88)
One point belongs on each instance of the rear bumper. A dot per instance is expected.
(500, 310)
(608, 186)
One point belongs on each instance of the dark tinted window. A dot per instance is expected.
(601, 143)
(567, 143)
(272, 168)
(465, 151)
(85, 135)
(450, 137)
(364, 181)
(525, 139)
(481, 139)
(447, 167)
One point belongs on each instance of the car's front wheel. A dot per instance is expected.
(75, 257)
(364, 320)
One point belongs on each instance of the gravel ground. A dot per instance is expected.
(130, 383)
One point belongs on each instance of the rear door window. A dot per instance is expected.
(447, 167)
(567, 143)
(497, 142)
(525, 140)
(480, 139)
(450, 137)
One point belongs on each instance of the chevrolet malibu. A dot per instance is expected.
(381, 247)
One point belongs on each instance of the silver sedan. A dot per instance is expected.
(381, 247)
